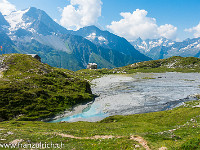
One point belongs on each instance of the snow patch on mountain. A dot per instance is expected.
(19, 20)
(93, 37)
(15, 19)
(148, 44)
(193, 45)
(101, 38)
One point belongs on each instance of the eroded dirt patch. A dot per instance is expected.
(138, 139)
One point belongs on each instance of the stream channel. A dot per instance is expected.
(136, 93)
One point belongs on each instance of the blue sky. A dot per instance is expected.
(156, 18)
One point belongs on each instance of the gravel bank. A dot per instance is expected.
(137, 93)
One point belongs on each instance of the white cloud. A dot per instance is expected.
(81, 13)
(137, 24)
(195, 30)
(168, 31)
(6, 7)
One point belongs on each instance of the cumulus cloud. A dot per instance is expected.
(6, 7)
(80, 13)
(137, 24)
(195, 30)
(167, 31)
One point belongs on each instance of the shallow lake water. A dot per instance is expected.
(137, 93)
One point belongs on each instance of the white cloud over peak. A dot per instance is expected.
(195, 30)
(6, 7)
(81, 13)
(137, 24)
(168, 31)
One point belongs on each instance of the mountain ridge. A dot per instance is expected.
(36, 32)
(111, 41)
(168, 48)
(152, 47)
(3, 21)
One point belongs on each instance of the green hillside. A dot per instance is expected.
(31, 90)
(172, 64)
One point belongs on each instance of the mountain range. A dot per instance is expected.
(165, 48)
(33, 31)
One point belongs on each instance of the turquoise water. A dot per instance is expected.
(90, 113)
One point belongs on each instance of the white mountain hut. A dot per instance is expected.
(92, 66)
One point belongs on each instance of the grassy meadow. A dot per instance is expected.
(31, 91)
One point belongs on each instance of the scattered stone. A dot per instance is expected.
(63, 122)
(137, 146)
(10, 133)
(141, 141)
(16, 141)
(163, 148)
